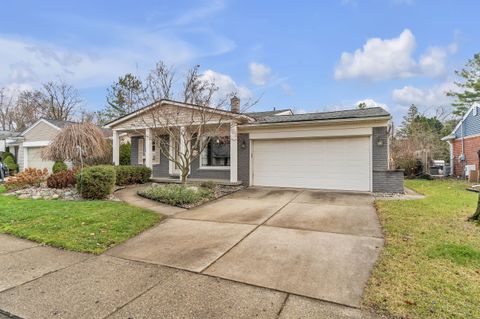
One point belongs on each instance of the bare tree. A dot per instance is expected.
(58, 101)
(183, 134)
(6, 111)
(26, 110)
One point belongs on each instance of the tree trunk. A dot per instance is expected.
(476, 216)
(183, 177)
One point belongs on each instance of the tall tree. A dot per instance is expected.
(26, 109)
(126, 95)
(362, 105)
(469, 86)
(58, 101)
(6, 111)
(408, 119)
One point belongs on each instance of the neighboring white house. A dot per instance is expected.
(342, 150)
(29, 144)
(33, 140)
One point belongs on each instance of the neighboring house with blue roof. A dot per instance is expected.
(465, 143)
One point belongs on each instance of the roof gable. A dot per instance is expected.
(175, 104)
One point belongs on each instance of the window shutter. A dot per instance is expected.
(140, 151)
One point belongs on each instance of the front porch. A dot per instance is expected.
(154, 148)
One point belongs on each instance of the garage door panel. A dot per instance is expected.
(335, 163)
(34, 159)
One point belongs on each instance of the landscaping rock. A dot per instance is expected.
(46, 193)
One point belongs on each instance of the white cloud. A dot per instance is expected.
(383, 59)
(29, 61)
(424, 97)
(372, 103)
(260, 74)
(226, 85)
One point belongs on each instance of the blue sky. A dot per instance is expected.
(305, 55)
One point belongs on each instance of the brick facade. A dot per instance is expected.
(471, 147)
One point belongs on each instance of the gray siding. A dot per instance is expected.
(203, 173)
(388, 181)
(471, 125)
(161, 170)
(380, 153)
(244, 158)
(384, 180)
(134, 151)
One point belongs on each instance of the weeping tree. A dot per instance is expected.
(79, 143)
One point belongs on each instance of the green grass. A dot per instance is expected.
(430, 267)
(177, 195)
(85, 226)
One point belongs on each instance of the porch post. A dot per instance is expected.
(148, 148)
(116, 148)
(233, 153)
(182, 147)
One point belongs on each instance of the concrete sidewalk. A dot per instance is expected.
(60, 284)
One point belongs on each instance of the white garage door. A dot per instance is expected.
(34, 159)
(327, 163)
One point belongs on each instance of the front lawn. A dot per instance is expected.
(85, 226)
(430, 267)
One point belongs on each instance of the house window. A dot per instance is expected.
(216, 153)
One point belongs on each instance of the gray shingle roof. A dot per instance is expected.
(59, 123)
(335, 115)
(262, 114)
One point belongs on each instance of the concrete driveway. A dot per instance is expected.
(309, 243)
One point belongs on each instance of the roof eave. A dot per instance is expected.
(303, 122)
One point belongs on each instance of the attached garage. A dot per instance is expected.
(34, 159)
(325, 163)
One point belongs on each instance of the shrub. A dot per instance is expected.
(61, 179)
(28, 178)
(127, 174)
(9, 161)
(96, 182)
(125, 152)
(177, 195)
(208, 184)
(6, 154)
(59, 166)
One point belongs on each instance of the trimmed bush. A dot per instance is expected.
(59, 166)
(125, 152)
(127, 174)
(61, 179)
(176, 195)
(6, 154)
(96, 182)
(9, 161)
(28, 178)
